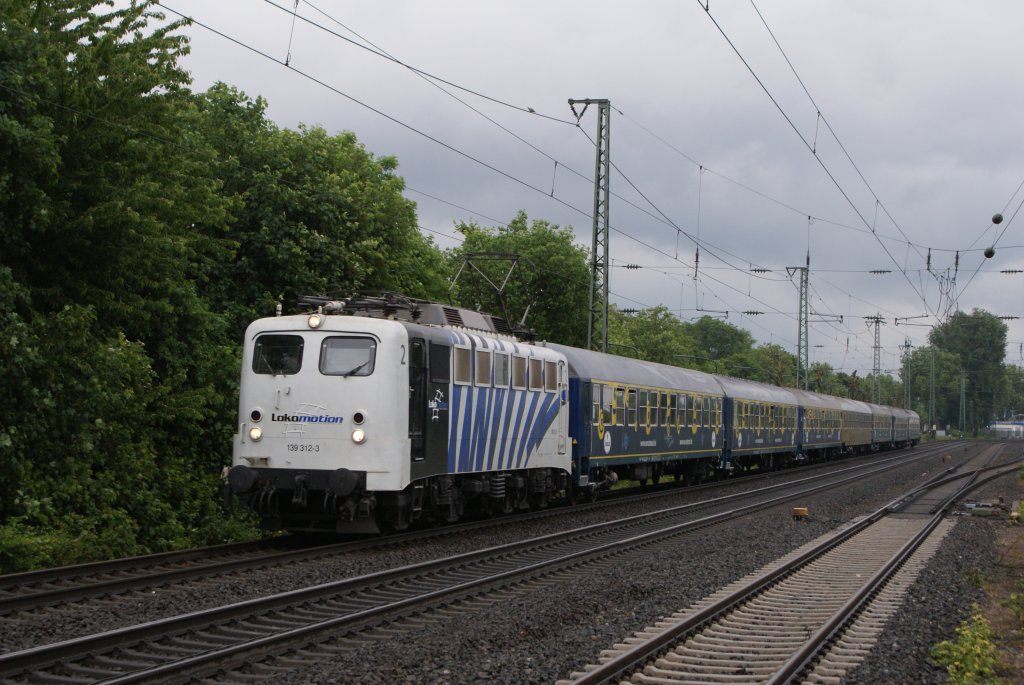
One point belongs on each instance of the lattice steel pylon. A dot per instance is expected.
(802, 354)
(905, 348)
(597, 328)
(877, 320)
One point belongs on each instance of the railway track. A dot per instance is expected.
(809, 617)
(26, 592)
(206, 642)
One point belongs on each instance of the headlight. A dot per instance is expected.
(359, 436)
(315, 320)
(255, 433)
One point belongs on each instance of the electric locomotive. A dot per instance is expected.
(378, 412)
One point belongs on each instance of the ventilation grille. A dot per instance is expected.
(452, 316)
(500, 325)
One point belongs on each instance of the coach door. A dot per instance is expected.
(417, 398)
(563, 401)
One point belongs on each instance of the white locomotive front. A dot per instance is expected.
(319, 400)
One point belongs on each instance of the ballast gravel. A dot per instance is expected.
(545, 632)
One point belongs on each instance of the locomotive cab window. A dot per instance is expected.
(278, 354)
(348, 356)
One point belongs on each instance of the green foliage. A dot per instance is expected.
(550, 281)
(971, 659)
(313, 214)
(974, 577)
(653, 335)
(767, 364)
(717, 339)
(977, 341)
(1015, 602)
(143, 226)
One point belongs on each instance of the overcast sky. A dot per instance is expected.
(713, 137)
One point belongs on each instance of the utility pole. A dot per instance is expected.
(597, 329)
(877, 320)
(931, 393)
(802, 364)
(963, 383)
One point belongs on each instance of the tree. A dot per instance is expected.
(314, 213)
(550, 284)
(978, 340)
(109, 351)
(1011, 396)
(919, 367)
(654, 335)
(717, 339)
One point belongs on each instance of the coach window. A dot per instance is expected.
(277, 354)
(663, 404)
(672, 414)
(440, 363)
(620, 406)
(519, 372)
(536, 374)
(463, 375)
(502, 370)
(680, 411)
(631, 408)
(643, 405)
(550, 376)
(603, 404)
(348, 356)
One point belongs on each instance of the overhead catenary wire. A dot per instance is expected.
(415, 130)
(431, 78)
(810, 147)
(375, 49)
(553, 195)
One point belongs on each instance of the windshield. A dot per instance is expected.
(277, 354)
(348, 356)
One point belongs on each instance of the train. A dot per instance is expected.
(377, 413)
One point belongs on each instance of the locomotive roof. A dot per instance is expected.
(401, 308)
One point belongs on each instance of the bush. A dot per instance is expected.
(971, 659)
